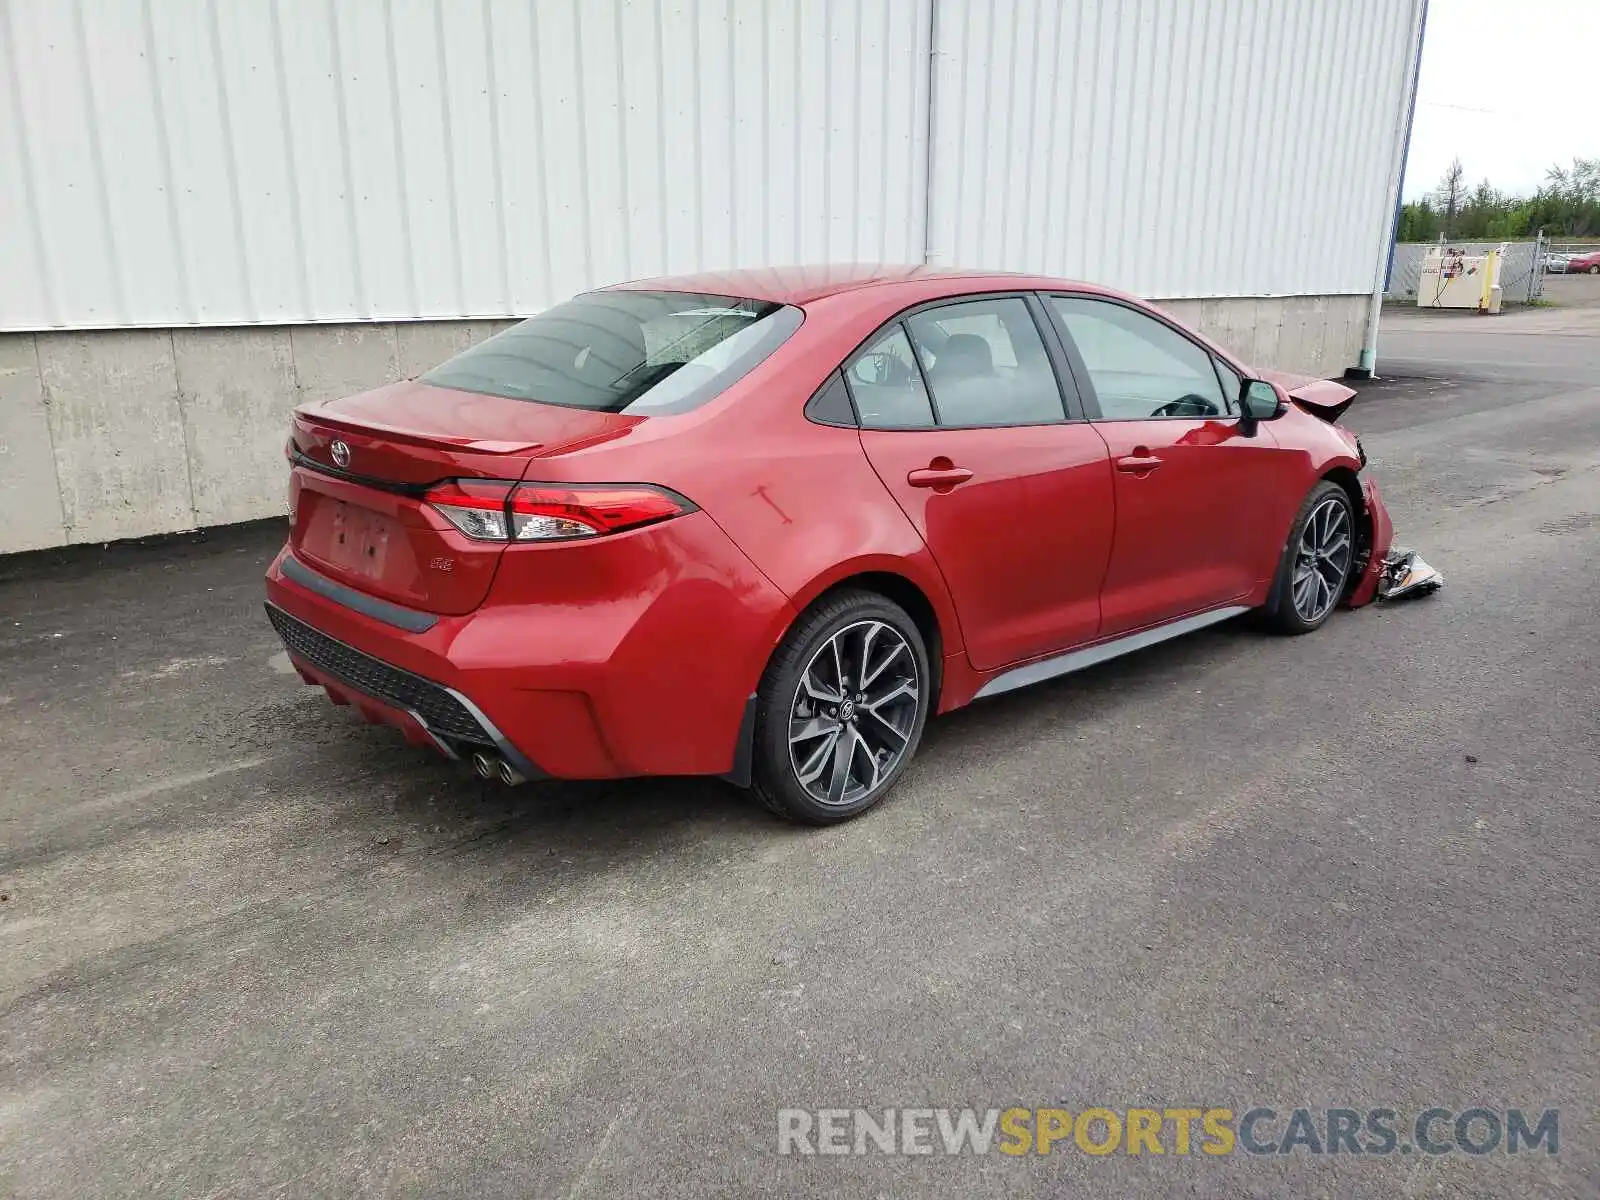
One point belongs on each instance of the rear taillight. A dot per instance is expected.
(543, 512)
(477, 507)
(493, 510)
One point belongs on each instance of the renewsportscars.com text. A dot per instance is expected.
(1212, 1131)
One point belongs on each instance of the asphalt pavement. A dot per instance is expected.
(252, 947)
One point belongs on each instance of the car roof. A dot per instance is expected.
(804, 284)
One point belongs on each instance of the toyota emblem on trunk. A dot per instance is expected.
(340, 452)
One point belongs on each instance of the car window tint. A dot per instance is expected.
(887, 385)
(831, 404)
(1230, 385)
(624, 351)
(1140, 367)
(986, 364)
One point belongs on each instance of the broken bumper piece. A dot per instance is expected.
(1405, 574)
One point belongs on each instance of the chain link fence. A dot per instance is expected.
(1521, 271)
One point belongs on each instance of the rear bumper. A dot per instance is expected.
(428, 713)
(633, 657)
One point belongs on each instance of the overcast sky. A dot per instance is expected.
(1537, 103)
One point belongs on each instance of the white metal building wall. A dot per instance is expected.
(228, 162)
(1173, 148)
(215, 162)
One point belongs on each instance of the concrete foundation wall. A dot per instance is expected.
(118, 434)
(1313, 335)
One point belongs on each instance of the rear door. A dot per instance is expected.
(964, 419)
(1192, 529)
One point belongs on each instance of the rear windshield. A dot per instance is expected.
(632, 352)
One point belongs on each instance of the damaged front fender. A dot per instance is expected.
(1387, 572)
(1379, 540)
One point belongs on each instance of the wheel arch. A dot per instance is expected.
(1350, 482)
(908, 596)
(928, 607)
(915, 586)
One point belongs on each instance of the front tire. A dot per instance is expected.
(841, 709)
(1314, 572)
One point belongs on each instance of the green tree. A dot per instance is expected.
(1418, 222)
(1566, 206)
(1579, 183)
(1451, 195)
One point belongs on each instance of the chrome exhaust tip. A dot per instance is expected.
(483, 765)
(509, 775)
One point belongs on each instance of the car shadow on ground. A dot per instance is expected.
(274, 765)
(582, 824)
(1089, 693)
(444, 805)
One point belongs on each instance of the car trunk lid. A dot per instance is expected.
(361, 467)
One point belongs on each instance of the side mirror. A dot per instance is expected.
(1258, 401)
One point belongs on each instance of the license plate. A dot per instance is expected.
(360, 541)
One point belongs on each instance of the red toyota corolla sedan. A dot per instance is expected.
(762, 524)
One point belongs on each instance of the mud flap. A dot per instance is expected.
(1404, 574)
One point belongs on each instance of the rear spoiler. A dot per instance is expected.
(310, 415)
(1319, 397)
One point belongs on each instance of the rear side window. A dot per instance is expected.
(625, 351)
(986, 364)
(887, 385)
(831, 404)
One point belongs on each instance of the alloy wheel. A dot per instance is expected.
(853, 712)
(1322, 560)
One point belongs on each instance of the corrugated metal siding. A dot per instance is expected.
(1168, 147)
(217, 162)
(202, 162)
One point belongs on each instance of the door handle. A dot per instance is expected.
(1138, 464)
(941, 479)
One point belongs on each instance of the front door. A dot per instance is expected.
(1192, 531)
(963, 420)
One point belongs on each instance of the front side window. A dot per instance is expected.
(887, 385)
(986, 364)
(1140, 367)
(1231, 383)
(624, 351)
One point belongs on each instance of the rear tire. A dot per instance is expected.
(841, 709)
(1315, 568)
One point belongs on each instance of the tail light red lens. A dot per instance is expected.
(543, 512)
(500, 511)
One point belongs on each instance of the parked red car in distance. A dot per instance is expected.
(1588, 264)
